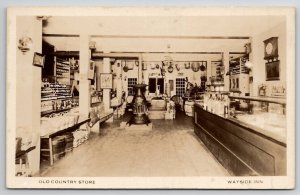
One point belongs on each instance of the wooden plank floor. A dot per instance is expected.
(170, 149)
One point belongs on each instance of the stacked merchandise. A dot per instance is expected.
(80, 136)
(58, 121)
(237, 66)
(63, 71)
(55, 91)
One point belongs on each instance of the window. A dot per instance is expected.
(180, 86)
(131, 83)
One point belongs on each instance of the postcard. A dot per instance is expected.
(150, 97)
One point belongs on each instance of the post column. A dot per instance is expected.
(84, 83)
(226, 69)
(140, 70)
(106, 92)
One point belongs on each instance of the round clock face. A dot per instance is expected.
(269, 48)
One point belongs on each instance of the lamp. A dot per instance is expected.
(25, 44)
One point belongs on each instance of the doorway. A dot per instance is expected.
(156, 83)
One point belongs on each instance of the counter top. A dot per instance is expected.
(281, 101)
(278, 137)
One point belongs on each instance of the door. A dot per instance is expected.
(160, 85)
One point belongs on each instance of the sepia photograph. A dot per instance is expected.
(161, 97)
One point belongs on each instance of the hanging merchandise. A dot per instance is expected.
(136, 62)
(177, 67)
(170, 69)
(157, 66)
(144, 65)
(130, 65)
(187, 65)
(163, 72)
(202, 67)
(125, 68)
(195, 66)
(152, 65)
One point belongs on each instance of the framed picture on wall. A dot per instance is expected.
(106, 80)
(38, 60)
(272, 70)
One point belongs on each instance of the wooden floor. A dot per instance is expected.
(170, 149)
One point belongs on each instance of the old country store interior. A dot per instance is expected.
(151, 96)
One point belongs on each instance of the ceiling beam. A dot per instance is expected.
(149, 36)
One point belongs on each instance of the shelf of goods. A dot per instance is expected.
(62, 71)
(60, 132)
(56, 98)
(239, 75)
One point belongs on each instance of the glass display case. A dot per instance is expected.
(244, 132)
(266, 114)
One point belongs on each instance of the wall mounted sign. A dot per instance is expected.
(106, 80)
(38, 59)
(272, 70)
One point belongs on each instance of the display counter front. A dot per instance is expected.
(247, 140)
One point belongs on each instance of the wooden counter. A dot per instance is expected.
(241, 150)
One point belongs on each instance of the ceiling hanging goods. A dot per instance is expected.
(187, 65)
(144, 65)
(170, 69)
(202, 67)
(152, 64)
(130, 65)
(195, 66)
(125, 68)
(163, 71)
(177, 67)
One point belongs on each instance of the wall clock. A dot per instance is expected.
(271, 48)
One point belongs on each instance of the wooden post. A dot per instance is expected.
(84, 83)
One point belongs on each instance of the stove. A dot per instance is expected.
(140, 108)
